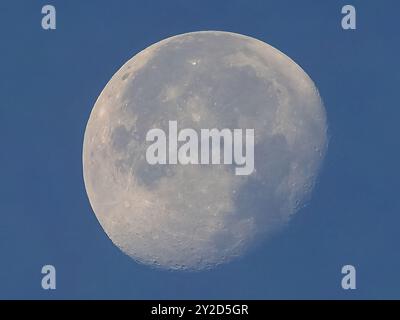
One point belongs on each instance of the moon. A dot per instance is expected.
(196, 217)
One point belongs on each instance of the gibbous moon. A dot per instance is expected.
(194, 217)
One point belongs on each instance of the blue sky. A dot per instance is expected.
(51, 79)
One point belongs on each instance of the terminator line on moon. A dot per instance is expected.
(193, 217)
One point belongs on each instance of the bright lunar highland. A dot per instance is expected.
(194, 217)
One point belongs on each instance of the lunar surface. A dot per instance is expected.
(194, 217)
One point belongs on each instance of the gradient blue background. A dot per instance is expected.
(49, 81)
